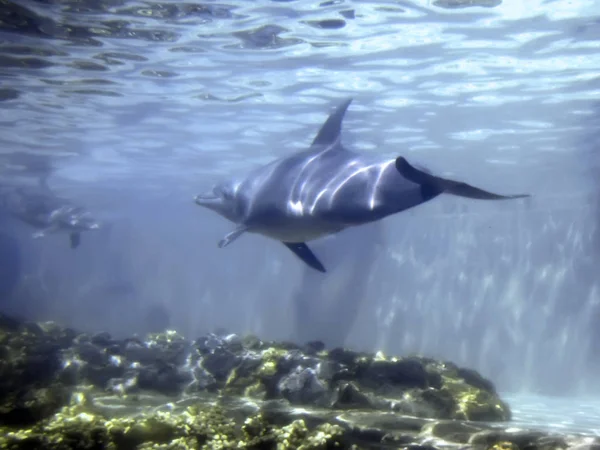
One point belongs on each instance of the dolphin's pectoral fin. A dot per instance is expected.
(75, 239)
(433, 185)
(330, 131)
(302, 251)
(230, 237)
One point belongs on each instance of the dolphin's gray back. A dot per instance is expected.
(328, 185)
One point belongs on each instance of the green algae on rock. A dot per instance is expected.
(42, 363)
(204, 427)
(63, 390)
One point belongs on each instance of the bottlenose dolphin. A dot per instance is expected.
(325, 189)
(48, 213)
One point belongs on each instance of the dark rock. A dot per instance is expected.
(233, 343)
(91, 354)
(69, 375)
(313, 347)
(347, 395)
(100, 375)
(114, 349)
(102, 339)
(292, 359)
(248, 365)
(166, 379)
(405, 373)
(427, 403)
(202, 381)
(302, 386)
(326, 370)
(61, 338)
(475, 379)
(220, 362)
(81, 339)
(137, 351)
(342, 356)
(209, 343)
(251, 342)
(169, 347)
(132, 340)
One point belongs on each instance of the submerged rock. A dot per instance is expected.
(31, 365)
(62, 390)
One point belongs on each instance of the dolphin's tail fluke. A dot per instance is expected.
(438, 184)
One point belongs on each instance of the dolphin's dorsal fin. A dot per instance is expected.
(330, 131)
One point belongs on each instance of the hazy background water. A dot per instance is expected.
(135, 107)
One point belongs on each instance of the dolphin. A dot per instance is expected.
(48, 213)
(325, 189)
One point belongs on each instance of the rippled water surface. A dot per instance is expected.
(182, 89)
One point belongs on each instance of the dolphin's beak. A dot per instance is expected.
(207, 200)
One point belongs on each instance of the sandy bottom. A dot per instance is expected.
(560, 414)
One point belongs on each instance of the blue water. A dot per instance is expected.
(139, 106)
